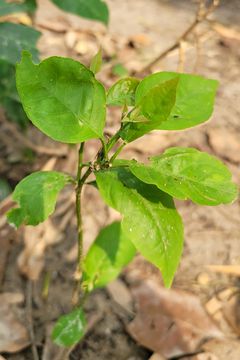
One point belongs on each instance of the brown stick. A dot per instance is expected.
(201, 15)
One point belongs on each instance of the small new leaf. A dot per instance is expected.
(69, 328)
(36, 196)
(194, 99)
(123, 92)
(151, 110)
(96, 62)
(110, 252)
(14, 38)
(62, 98)
(187, 173)
(150, 219)
(90, 9)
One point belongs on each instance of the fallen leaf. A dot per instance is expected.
(231, 312)
(31, 259)
(169, 322)
(223, 349)
(120, 294)
(213, 305)
(13, 334)
(156, 357)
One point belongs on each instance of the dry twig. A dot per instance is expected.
(202, 14)
(30, 320)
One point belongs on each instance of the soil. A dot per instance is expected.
(211, 234)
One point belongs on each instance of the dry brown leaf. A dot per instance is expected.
(231, 312)
(223, 349)
(31, 259)
(156, 357)
(13, 334)
(213, 305)
(120, 294)
(170, 322)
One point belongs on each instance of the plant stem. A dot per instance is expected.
(117, 152)
(113, 141)
(79, 223)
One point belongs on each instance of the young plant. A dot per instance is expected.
(64, 100)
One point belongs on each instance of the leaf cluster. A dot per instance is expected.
(65, 101)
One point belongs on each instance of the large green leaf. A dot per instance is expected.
(123, 92)
(14, 38)
(62, 98)
(194, 98)
(69, 328)
(36, 196)
(151, 110)
(187, 173)
(90, 9)
(7, 7)
(150, 219)
(110, 252)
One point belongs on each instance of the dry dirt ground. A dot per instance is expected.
(139, 30)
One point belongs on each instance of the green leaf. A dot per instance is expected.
(111, 251)
(14, 38)
(69, 328)
(120, 70)
(194, 99)
(123, 92)
(5, 189)
(151, 110)
(36, 196)
(150, 219)
(9, 98)
(90, 9)
(62, 98)
(14, 7)
(96, 62)
(187, 173)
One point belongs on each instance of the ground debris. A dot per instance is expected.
(171, 322)
(13, 334)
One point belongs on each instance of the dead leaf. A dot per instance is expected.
(223, 349)
(231, 312)
(170, 322)
(213, 305)
(31, 259)
(121, 294)
(13, 334)
(156, 357)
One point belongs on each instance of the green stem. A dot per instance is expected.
(104, 149)
(117, 152)
(78, 207)
(80, 183)
(113, 141)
